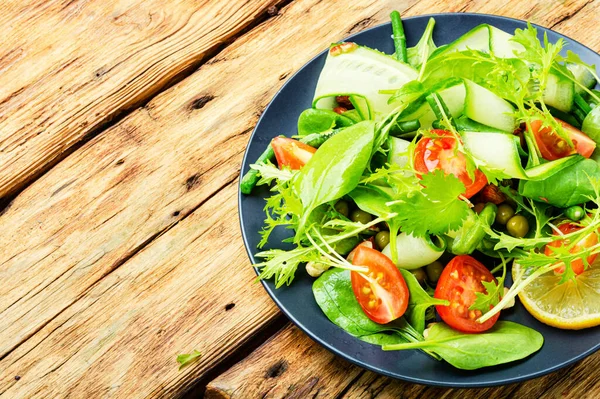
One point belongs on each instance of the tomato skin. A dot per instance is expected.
(588, 241)
(459, 281)
(385, 298)
(291, 153)
(434, 153)
(553, 147)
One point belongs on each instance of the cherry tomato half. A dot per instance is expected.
(439, 152)
(459, 282)
(291, 153)
(588, 241)
(381, 292)
(552, 146)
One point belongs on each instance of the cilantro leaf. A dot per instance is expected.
(436, 209)
(493, 292)
(186, 358)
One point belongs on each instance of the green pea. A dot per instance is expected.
(575, 213)
(342, 207)
(359, 216)
(382, 239)
(419, 275)
(479, 207)
(505, 212)
(517, 226)
(434, 271)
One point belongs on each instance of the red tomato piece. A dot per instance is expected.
(588, 241)
(553, 147)
(291, 153)
(440, 152)
(381, 292)
(460, 280)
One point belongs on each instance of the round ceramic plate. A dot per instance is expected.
(297, 302)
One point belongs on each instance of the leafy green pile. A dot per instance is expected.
(355, 165)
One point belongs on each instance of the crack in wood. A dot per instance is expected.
(570, 15)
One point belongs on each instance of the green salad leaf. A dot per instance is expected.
(504, 342)
(436, 209)
(418, 302)
(334, 170)
(418, 55)
(188, 358)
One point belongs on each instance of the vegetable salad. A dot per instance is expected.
(417, 181)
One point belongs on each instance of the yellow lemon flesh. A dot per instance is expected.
(572, 305)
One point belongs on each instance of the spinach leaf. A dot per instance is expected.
(420, 53)
(570, 186)
(418, 302)
(334, 170)
(384, 338)
(334, 295)
(503, 343)
(320, 120)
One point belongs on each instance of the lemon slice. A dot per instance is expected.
(572, 305)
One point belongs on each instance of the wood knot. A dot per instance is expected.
(277, 369)
(229, 306)
(120, 162)
(284, 75)
(99, 72)
(193, 181)
(201, 101)
(360, 25)
(272, 11)
(17, 377)
(176, 213)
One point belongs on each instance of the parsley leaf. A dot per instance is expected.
(436, 209)
(186, 358)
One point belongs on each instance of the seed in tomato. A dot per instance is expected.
(459, 282)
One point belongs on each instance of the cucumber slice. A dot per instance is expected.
(477, 38)
(583, 76)
(591, 125)
(501, 44)
(398, 151)
(414, 252)
(497, 151)
(361, 73)
(500, 152)
(454, 98)
(559, 93)
(487, 108)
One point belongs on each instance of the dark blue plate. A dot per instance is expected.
(297, 302)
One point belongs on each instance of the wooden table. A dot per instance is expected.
(122, 128)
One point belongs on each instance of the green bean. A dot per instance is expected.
(399, 37)
(251, 177)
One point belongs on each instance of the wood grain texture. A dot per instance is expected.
(117, 193)
(80, 303)
(270, 371)
(121, 338)
(290, 363)
(80, 224)
(101, 58)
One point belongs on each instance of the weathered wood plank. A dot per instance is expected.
(56, 88)
(74, 296)
(98, 207)
(121, 338)
(290, 363)
(87, 216)
(269, 372)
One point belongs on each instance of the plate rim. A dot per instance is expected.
(313, 336)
